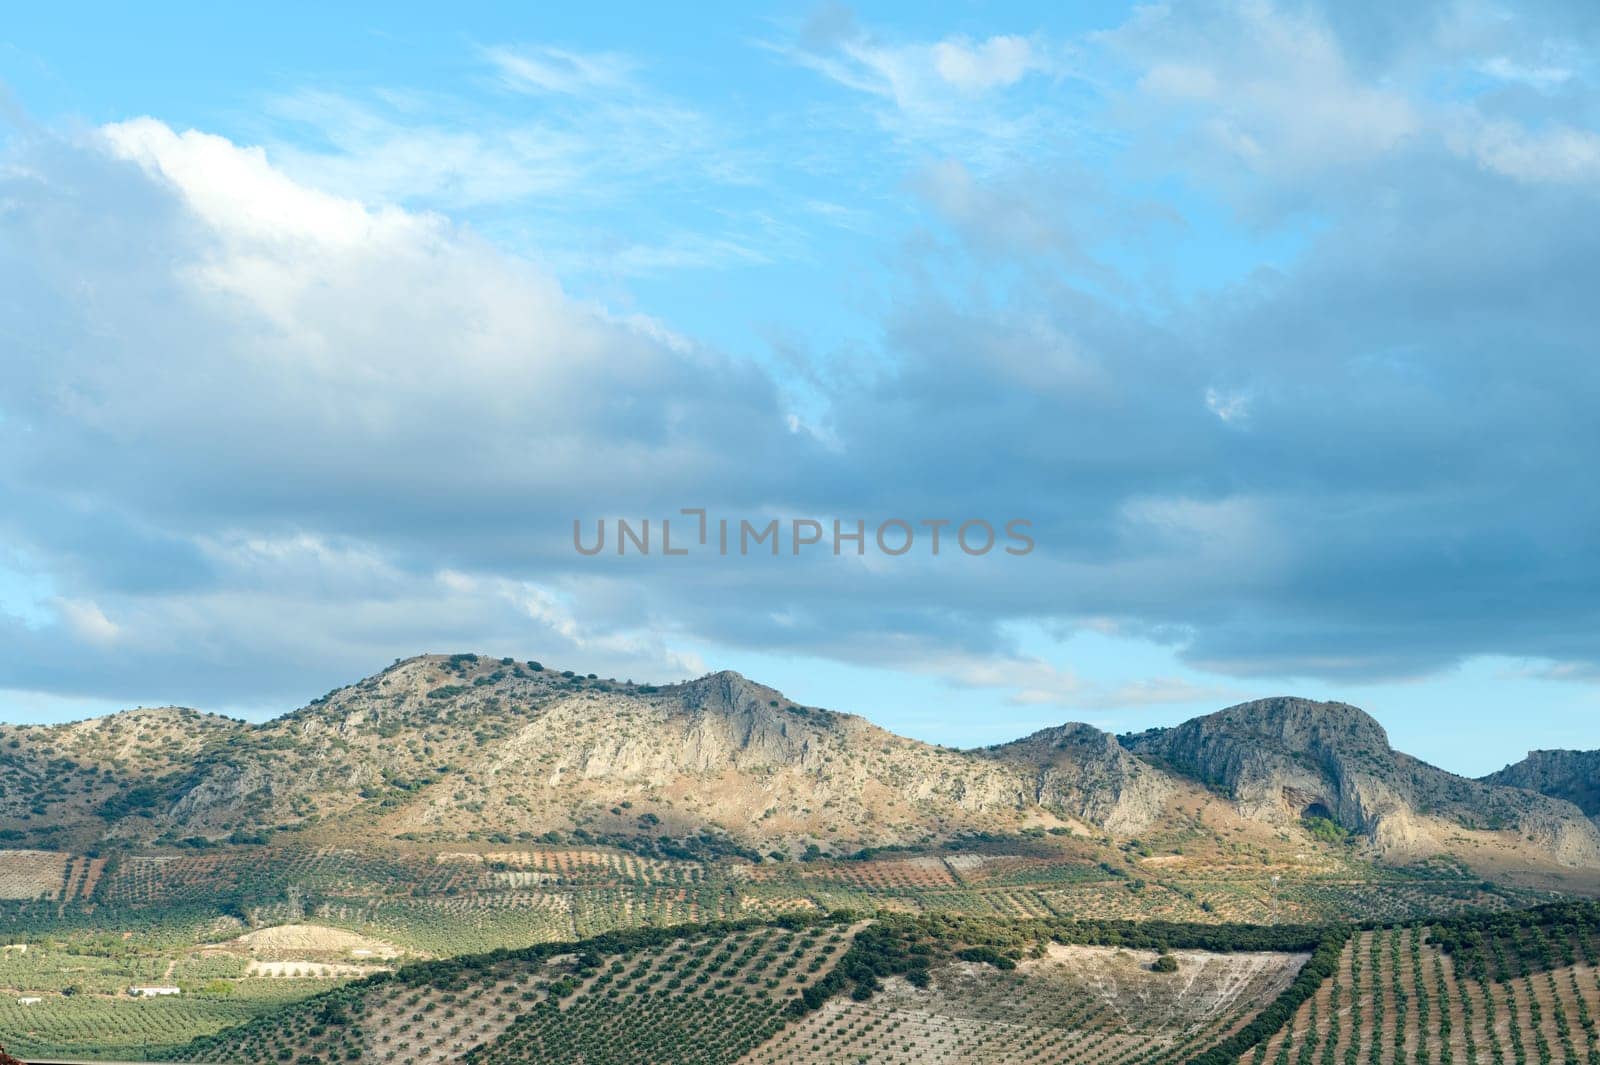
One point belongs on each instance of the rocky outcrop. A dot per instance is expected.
(1084, 773)
(1284, 759)
(1570, 775)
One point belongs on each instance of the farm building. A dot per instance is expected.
(152, 992)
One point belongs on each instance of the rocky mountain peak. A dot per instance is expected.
(1570, 775)
(1086, 774)
(1300, 724)
(1286, 759)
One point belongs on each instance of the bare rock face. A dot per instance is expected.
(720, 753)
(727, 720)
(1284, 759)
(222, 795)
(1086, 774)
(1570, 775)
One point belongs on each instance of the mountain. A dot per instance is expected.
(1079, 770)
(1288, 759)
(451, 745)
(1570, 775)
(461, 746)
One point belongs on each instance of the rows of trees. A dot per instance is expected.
(1517, 942)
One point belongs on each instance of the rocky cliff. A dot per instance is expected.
(1084, 773)
(1570, 775)
(1287, 759)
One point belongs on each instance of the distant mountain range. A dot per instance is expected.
(457, 746)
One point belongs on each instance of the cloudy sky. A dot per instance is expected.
(1277, 320)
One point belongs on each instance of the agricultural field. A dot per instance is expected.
(1077, 1003)
(1519, 991)
(720, 989)
(93, 926)
(120, 1027)
(32, 874)
(817, 988)
(1508, 986)
(702, 1000)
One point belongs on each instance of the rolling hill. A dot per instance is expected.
(827, 988)
(843, 987)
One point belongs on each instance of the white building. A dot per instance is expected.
(29, 1000)
(152, 992)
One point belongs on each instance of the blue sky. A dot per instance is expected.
(320, 329)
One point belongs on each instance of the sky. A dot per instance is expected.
(320, 329)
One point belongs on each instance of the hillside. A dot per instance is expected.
(458, 745)
(829, 988)
(1079, 770)
(1287, 760)
(442, 748)
(1573, 776)
(846, 988)
(1520, 987)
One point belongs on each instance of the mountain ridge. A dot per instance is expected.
(449, 746)
(1572, 775)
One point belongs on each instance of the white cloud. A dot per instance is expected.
(286, 618)
(977, 66)
(88, 623)
(1272, 88)
(1558, 154)
(1263, 86)
(993, 216)
(301, 399)
(1571, 672)
(1231, 406)
(1503, 68)
(234, 191)
(1034, 682)
(950, 92)
(362, 304)
(579, 152)
(544, 68)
